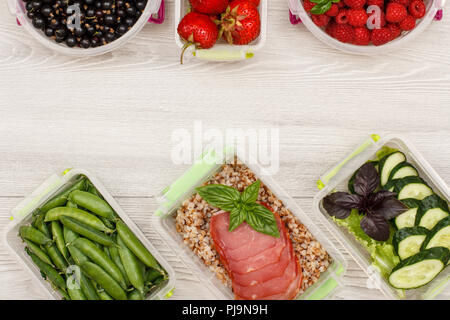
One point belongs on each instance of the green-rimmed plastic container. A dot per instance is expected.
(337, 179)
(22, 215)
(204, 168)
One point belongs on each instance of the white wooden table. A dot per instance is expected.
(114, 115)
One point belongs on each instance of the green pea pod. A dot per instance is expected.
(87, 231)
(64, 294)
(153, 276)
(70, 204)
(136, 246)
(34, 235)
(101, 277)
(94, 191)
(106, 251)
(52, 251)
(108, 223)
(135, 295)
(49, 271)
(88, 288)
(115, 257)
(58, 237)
(61, 199)
(76, 294)
(76, 254)
(92, 203)
(39, 252)
(104, 295)
(132, 265)
(79, 215)
(89, 249)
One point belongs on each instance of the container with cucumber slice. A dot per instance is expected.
(432, 209)
(419, 269)
(409, 188)
(439, 236)
(408, 241)
(403, 170)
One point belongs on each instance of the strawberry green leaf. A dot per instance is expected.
(220, 196)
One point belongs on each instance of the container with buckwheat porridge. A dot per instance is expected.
(245, 237)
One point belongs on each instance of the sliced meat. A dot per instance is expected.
(260, 266)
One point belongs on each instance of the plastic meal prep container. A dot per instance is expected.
(298, 14)
(204, 168)
(22, 215)
(337, 179)
(222, 51)
(153, 13)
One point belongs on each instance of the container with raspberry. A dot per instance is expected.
(220, 30)
(365, 26)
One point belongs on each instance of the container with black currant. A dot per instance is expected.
(85, 27)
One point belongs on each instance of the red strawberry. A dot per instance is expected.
(408, 23)
(198, 29)
(342, 17)
(378, 3)
(381, 36)
(308, 5)
(361, 36)
(320, 20)
(255, 2)
(395, 12)
(241, 23)
(344, 33)
(333, 11)
(417, 9)
(209, 6)
(357, 17)
(395, 30)
(355, 4)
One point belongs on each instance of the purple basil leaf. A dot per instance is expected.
(366, 180)
(340, 204)
(376, 199)
(390, 208)
(375, 226)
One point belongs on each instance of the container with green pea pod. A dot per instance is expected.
(75, 205)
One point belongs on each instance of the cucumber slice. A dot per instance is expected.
(388, 163)
(403, 170)
(431, 210)
(410, 188)
(408, 218)
(439, 236)
(419, 269)
(408, 241)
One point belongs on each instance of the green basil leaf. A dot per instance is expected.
(321, 8)
(319, 1)
(262, 220)
(237, 216)
(220, 196)
(250, 194)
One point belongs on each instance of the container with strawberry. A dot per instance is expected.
(365, 22)
(208, 22)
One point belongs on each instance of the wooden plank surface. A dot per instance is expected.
(114, 116)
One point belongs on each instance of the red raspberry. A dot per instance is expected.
(357, 17)
(403, 2)
(344, 33)
(355, 4)
(379, 3)
(331, 27)
(395, 12)
(371, 21)
(417, 9)
(362, 36)
(342, 17)
(334, 10)
(395, 30)
(320, 20)
(308, 5)
(381, 36)
(408, 23)
(341, 4)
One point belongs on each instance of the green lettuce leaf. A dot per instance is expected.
(382, 252)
